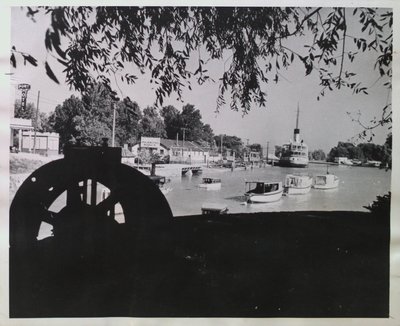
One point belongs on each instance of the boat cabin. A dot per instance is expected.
(211, 180)
(257, 187)
(324, 179)
(297, 180)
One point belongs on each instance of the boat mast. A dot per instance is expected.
(297, 130)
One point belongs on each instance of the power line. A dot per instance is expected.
(47, 101)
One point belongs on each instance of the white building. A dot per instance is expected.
(178, 151)
(44, 143)
(17, 126)
(343, 160)
(252, 157)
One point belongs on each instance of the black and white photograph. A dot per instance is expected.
(200, 161)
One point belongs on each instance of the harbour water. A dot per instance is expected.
(358, 187)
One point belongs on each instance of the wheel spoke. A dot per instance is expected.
(107, 204)
(46, 216)
(74, 195)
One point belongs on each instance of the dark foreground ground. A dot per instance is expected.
(297, 264)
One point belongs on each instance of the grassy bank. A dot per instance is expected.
(287, 264)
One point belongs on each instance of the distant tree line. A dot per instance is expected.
(87, 119)
(317, 155)
(364, 151)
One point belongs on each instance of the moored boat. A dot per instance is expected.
(295, 153)
(214, 209)
(297, 184)
(211, 184)
(356, 162)
(343, 161)
(263, 192)
(326, 181)
(375, 164)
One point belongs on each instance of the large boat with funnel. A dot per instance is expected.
(295, 153)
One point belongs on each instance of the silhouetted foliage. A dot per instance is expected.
(96, 43)
(381, 205)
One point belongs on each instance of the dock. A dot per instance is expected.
(168, 170)
(193, 169)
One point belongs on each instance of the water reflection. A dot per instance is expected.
(358, 186)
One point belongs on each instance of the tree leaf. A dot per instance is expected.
(13, 61)
(30, 59)
(50, 73)
(63, 62)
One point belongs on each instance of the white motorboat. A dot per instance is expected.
(211, 184)
(263, 192)
(326, 181)
(297, 184)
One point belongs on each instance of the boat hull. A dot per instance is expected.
(297, 184)
(330, 185)
(264, 198)
(326, 187)
(210, 186)
(293, 163)
(297, 190)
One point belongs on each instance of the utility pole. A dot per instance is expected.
(36, 122)
(222, 137)
(183, 142)
(113, 126)
(267, 150)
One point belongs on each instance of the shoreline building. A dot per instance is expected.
(252, 157)
(17, 127)
(46, 143)
(178, 151)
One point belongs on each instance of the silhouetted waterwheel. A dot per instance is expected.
(78, 177)
(67, 195)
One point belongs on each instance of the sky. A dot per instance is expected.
(322, 123)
